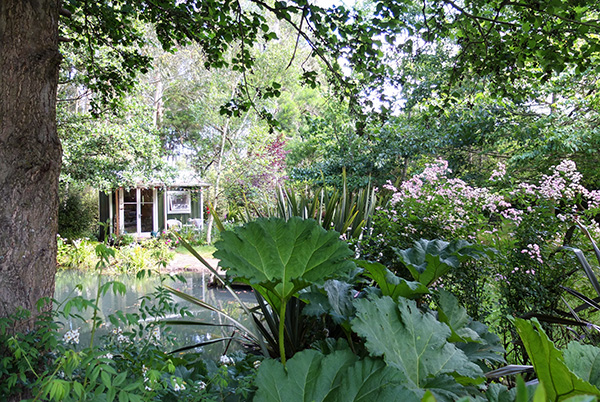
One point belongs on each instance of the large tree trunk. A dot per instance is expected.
(30, 151)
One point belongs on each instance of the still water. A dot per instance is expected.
(196, 285)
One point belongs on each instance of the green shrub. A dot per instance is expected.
(77, 211)
(130, 258)
(76, 254)
(149, 254)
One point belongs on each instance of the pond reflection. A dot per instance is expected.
(196, 285)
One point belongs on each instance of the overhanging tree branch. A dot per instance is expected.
(578, 22)
(477, 17)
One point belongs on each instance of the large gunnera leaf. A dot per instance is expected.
(549, 364)
(584, 361)
(487, 349)
(283, 256)
(413, 342)
(390, 284)
(428, 260)
(340, 376)
(451, 313)
(472, 337)
(335, 298)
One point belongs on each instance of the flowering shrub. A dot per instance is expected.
(431, 205)
(524, 222)
(434, 203)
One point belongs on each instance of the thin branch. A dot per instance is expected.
(242, 39)
(477, 17)
(65, 13)
(587, 24)
(495, 18)
(304, 35)
(298, 37)
(425, 18)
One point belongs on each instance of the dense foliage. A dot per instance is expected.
(478, 123)
(376, 333)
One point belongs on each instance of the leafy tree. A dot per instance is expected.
(111, 151)
(239, 153)
(78, 211)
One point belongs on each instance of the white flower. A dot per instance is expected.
(72, 336)
(499, 173)
(177, 386)
(120, 337)
(201, 385)
(226, 360)
(257, 364)
(146, 379)
(154, 336)
(107, 356)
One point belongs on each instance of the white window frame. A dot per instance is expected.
(121, 193)
(180, 207)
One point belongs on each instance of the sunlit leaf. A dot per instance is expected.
(283, 256)
(559, 382)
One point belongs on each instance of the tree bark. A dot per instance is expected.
(30, 152)
(216, 189)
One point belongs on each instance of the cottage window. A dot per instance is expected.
(179, 202)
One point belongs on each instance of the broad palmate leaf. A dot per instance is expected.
(390, 284)
(334, 299)
(283, 256)
(472, 337)
(451, 313)
(311, 376)
(428, 260)
(584, 361)
(411, 341)
(549, 364)
(488, 349)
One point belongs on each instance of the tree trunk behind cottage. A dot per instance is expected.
(30, 151)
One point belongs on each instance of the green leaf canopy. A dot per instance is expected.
(283, 256)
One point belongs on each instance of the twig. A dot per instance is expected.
(298, 37)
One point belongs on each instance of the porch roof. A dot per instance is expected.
(183, 179)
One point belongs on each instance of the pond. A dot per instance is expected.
(196, 284)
